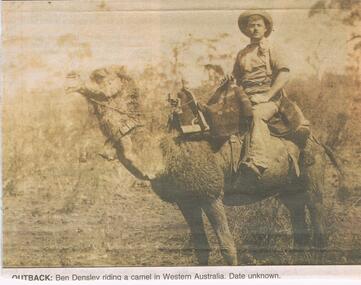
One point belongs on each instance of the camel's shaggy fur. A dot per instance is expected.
(189, 167)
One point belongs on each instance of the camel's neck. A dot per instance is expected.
(140, 152)
(137, 149)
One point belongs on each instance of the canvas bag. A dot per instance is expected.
(226, 110)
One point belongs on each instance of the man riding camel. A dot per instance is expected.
(262, 71)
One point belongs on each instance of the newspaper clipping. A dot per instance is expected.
(159, 141)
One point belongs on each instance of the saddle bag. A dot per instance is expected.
(290, 122)
(224, 116)
(226, 111)
(292, 114)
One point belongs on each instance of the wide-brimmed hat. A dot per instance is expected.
(243, 21)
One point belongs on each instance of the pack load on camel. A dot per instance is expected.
(229, 110)
(229, 115)
(186, 114)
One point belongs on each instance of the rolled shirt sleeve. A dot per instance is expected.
(279, 60)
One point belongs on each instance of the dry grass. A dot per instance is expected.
(66, 206)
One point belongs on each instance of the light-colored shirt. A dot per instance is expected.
(257, 66)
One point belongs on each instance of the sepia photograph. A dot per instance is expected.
(181, 133)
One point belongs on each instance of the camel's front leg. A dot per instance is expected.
(216, 214)
(192, 213)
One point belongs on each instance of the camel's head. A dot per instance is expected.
(103, 84)
(113, 95)
(114, 98)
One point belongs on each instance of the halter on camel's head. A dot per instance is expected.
(113, 82)
(110, 87)
(114, 96)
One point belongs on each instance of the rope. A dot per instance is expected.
(119, 110)
(134, 112)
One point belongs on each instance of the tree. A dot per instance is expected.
(348, 12)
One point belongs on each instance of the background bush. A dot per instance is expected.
(64, 205)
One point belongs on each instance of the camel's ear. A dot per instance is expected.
(73, 75)
(98, 74)
(73, 82)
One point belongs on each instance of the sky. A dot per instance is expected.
(43, 41)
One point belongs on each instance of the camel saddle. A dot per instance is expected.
(229, 112)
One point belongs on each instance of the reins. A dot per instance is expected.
(131, 113)
(113, 108)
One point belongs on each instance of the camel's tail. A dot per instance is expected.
(342, 190)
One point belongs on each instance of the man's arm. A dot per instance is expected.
(279, 83)
(281, 68)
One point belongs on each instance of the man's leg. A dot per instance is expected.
(303, 130)
(256, 160)
(297, 122)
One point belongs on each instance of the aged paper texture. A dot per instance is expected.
(111, 157)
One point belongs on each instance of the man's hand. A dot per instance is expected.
(228, 77)
(260, 98)
(202, 107)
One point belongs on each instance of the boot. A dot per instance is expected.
(301, 134)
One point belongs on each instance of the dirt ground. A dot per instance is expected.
(93, 213)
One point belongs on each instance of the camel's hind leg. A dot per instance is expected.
(192, 213)
(216, 214)
(296, 205)
(314, 184)
(313, 161)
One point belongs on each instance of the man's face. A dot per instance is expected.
(256, 27)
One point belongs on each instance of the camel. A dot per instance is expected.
(198, 177)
